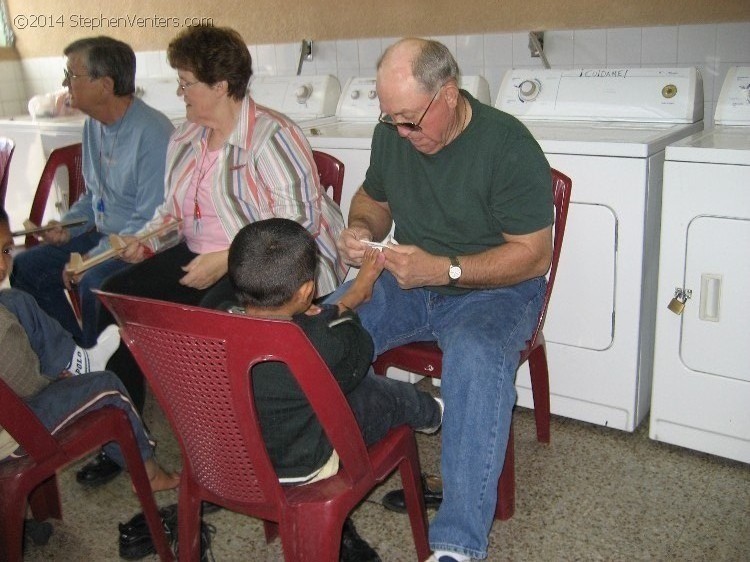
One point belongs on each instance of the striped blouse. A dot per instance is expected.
(266, 169)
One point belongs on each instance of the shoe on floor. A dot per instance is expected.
(353, 547)
(99, 471)
(432, 488)
(431, 430)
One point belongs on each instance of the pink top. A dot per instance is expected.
(203, 234)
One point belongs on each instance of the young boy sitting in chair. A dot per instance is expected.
(57, 379)
(272, 268)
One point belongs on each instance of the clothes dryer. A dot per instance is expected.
(607, 129)
(701, 387)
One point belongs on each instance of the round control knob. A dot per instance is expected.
(355, 94)
(528, 90)
(372, 94)
(303, 93)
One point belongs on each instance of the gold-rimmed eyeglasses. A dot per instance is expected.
(182, 86)
(408, 125)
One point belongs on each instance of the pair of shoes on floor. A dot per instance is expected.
(99, 471)
(443, 558)
(432, 488)
(135, 538)
(353, 547)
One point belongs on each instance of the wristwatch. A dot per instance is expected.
(454, 271)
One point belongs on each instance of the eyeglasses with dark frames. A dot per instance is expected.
(408, 125)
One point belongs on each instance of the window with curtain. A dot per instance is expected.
(6, 31)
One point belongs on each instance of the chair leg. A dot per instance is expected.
(271, 530)
(311, 535)
(188, 522)
(12, 510)
(540, 390)
(44, 500)
(414, 497)
(506, 486)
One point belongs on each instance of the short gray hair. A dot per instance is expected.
(107, 57)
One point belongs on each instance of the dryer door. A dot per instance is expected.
(714, 323)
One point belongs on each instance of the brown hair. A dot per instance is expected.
(213, 54)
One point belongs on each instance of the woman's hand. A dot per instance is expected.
(205, 270)
(134, 251)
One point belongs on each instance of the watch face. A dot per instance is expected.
(454, 272)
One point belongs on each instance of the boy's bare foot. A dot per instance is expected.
(160, 479)
(372, 266)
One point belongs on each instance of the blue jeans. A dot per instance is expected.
(481, 334)
(38, 271)
(64, 400)
(380, 404)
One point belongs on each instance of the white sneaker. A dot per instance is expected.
(431, 430)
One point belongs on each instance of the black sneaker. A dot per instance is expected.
(99, 471)
(432, 488)
(353, 547)
(135, 538)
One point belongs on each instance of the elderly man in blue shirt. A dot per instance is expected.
(124, 153)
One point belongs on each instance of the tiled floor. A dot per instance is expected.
(592, 494)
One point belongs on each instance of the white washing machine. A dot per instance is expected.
(304, 99)
(348, 134)
(36, 138)
(701, 390)
(607, 129)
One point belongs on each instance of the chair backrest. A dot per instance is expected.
(71, 158)
(561, 186)
(6, 153)
(198, 362)
(331, 171)
(23, 425)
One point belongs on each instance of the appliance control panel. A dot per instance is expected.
(299, 97)
(652, 95)
(359, 100)
(733, 106)
(359, 97)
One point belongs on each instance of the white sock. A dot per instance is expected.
(95, 358)
(457, 557)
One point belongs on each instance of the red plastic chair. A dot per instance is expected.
(6, 153)
(331, 171)
(69, 157)
(425, 358)
(34, 476)
(197, 362)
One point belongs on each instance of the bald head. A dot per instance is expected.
(428, 62)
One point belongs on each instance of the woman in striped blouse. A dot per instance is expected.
(232, 163)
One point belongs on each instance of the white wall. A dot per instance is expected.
(711, 47)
